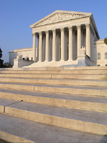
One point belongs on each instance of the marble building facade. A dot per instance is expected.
(101, 53)
(65, 36)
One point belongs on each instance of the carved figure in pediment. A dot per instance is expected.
(59, 17)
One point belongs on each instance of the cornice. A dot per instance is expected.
(101, 41)
(20, 50)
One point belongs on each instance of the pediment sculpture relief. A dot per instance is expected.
(59, 17)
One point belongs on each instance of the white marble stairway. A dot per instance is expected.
(63, 105)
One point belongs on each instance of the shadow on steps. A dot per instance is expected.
(104, 139)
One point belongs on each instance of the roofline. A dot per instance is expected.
(92, 18)
(100, 41)
(20, 49)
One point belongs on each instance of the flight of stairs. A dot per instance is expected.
(63, 104)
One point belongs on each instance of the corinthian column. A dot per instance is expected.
(78, 39)
(70, 44)
(34, 47)
(40, 47)
(54, 46)
(62, 45)
(88, 47)
(47, 46)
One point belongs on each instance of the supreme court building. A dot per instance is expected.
(63, 38)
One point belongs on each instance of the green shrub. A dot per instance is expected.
(105, 41)
(0, 53)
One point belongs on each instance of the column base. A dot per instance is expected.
(53, 61)
(69, 60)
(61, 61)
(40, 61)
(46, 61)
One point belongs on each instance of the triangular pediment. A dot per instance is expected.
(59, 16)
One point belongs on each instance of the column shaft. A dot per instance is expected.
(92, 46)
(40, 47)
(50, 47)
(78, 39)
(88, 48)
(47, 46)
(62, 45)
(34, 47)
(54, 46)
(70, 44)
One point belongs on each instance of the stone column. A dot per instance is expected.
(43, 48)
(47, 46)
(88, 48)
(92, 46)
(54, 46)
(40, 47)
(70, 44)
(34, 47)
(50, 47)
(62, 45)
(78, 39)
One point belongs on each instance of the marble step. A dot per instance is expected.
(56, 68)
(24, 131)
(6, 102)
(81, 120)
(77, 90)
(101, 83)
(46, 76)
(98, 104)
(57, 76)
(87, 71)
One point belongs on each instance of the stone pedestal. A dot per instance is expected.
(83, 59)
(19, 63)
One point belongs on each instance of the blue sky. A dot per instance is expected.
(17, 15)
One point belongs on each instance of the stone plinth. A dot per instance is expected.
(19, 63)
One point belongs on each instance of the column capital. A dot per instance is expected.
(87, 25)
(47, 31)
(34, 34)
(62, 28)
(78, 26)
(70, 27)
(54, 30)
(40, 33)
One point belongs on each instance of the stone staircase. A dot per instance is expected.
(51, 105)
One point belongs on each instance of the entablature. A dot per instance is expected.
(59, 25)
